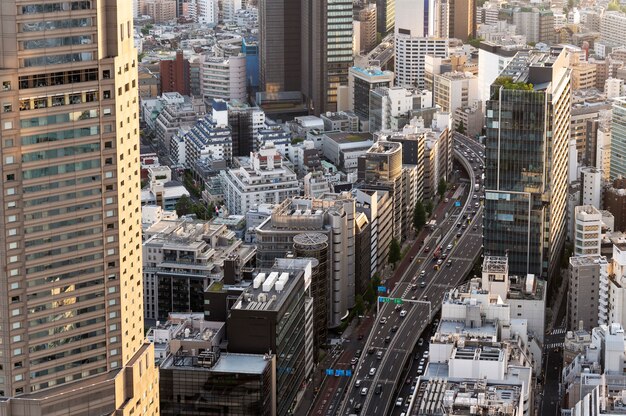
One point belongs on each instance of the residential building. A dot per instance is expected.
(332, 215)
(615, 202)
(275, 135)
(390, 108)
(175, 74)
(182, 257)
(537, 25)
(377, 205)
(207, 12)
(477, 348)
(224, 78)
(72, 341)
(230, 8)
(583, 298)
(161, 11)
(326, 51)
(437, 154)
(526, 171)
(457, 19)
(618, 139)
(365, 19)
(340, 121)
(275, 314)
(591, 186)
(205, 139)
(612, 289)
(613, 28)
(410, 53)
(582, 113)
(264, 180)
(360, 82)
(161, 191)
(454, 90)
(471, 118)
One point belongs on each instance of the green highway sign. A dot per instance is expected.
(397, 301)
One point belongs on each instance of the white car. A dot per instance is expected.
(364, 391)
(399, 401)
(372, 371)
(402, 313)
(383, 320)
(449, 247)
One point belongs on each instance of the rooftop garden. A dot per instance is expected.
(509, 84)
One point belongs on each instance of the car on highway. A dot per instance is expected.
(394, 328)
(354, 360)
(357, 383)
(372, 371)
(459, 234)
(427, 249)
(379, 389)
(371, 350)
(398, 308)
(420, 342)
(449, 247)
(402, 313)
(399, 401)
(357, 408)
(439, 262)
(422, 284)
(476, 204)
(444, 255)
(364, 391)
(379, 355)
(414, 286)
(423, 273)
(474, 196)
(387, 339)
(449, 263)
(413, 297)
(383, 320)
(422, 361)
(420, 370)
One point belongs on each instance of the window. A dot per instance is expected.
(6, 85)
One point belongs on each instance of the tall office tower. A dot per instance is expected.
(618, 139)
(414, 31)
(457, 19)
(326, 51)
(71, 337)
(365, 16)
(528, 120)
(385, 16)
(280, 31)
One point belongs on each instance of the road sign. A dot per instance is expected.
(397, 301)
(382, 289)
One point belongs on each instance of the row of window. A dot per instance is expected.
(57, 42)
(61, 184)
(62, 197)
(76, 338)
(58, 118)
(60, 135)
(60, 6)
(60, 152)
(64, 58)
(67, 353)
(65, 276)
(59, 224)
(73, 300)
(61, 78)
(56, 24)
(64, 250)
(60, 169)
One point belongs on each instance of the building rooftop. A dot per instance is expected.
(269, 290)
(226, 363)
(496, 264)
(342, 137)
(372, 71)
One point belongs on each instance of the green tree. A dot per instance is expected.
(428, 207)
(395, 252)
(184, 206)
(419, 216)
(442, 187)
(460, 128)
(359, 305)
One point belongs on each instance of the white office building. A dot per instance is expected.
(207, 11)
(265, 180)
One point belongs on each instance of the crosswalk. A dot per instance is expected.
(554, 345)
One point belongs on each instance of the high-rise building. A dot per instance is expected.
(618, 139)
(385, 16)
(365, 18)
(326, 51)
(457, 19)
(415, 29)
(280, 33)
(72, 336)
(528, 120)
(587, 231)
(175, 74)
(224, 78)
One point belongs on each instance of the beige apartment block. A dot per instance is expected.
(71, 295)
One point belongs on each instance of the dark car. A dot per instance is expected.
(394, 328)
(379, 389)
(387, 339)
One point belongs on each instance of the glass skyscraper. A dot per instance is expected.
(528, 118)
